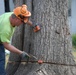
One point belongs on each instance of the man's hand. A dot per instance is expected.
(24, 55)
(36, 28)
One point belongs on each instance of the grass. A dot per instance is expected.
(7, 57)
(74, 53)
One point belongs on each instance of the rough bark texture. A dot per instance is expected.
(51, 44)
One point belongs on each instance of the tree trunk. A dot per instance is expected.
(17, 41)
(52, 44)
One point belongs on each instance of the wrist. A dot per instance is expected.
(21, 54)
(30, 23)
(24, 54)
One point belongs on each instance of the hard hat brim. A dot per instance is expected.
(27, 15)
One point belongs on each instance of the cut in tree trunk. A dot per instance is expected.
(51, 44)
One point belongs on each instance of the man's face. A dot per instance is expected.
(18, 22)
(23, 18)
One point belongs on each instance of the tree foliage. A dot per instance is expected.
(74, 40)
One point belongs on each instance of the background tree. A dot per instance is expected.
(74, 40)
(51, 44)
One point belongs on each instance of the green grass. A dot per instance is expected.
(74, 53)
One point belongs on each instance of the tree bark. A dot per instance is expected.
(52, 43)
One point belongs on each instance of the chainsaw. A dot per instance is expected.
(32, 56)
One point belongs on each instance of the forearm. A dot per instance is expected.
(30, 23)
(12, 48)
(36, 27)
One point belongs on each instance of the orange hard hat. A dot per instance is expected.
(22, 13)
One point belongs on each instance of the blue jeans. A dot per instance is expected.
(2, 60)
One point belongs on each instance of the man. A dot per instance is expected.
(8, 22)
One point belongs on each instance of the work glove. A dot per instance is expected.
(24, 55)
(36, 27)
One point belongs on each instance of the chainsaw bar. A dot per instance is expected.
(32, 56)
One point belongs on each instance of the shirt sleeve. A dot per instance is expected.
(5, 37)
